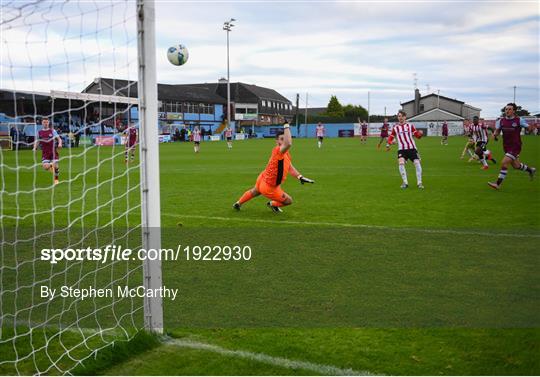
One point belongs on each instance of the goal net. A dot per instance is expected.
(73, 180)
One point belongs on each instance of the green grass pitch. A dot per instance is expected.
(357, 275)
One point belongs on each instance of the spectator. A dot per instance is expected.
(76, 131)
(15, 137)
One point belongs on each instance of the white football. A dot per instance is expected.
(178, 55)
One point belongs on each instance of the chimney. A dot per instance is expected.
(416, 101)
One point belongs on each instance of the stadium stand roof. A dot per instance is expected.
(242, 92)
(205, 92)
(167, 92)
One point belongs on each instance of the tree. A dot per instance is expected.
(519, 111)
(355, 112)
(334, 108)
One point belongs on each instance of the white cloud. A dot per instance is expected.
(476, 51)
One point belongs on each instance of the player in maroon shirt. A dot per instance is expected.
(444, 139)
(131, 142)
(510, 125)
(46, 139)
(363, 132)
(384, 132)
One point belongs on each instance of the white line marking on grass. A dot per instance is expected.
(267, 359)
(348, 225)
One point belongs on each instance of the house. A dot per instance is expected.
(434, 108)
(253, 104)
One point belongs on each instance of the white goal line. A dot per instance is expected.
(349, 225)
(267, 359)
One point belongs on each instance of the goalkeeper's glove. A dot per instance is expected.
(303, 179)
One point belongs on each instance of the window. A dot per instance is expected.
(251, 111)
(190, 108)
(421, 107)
(206, 109)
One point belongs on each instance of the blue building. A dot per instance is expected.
(205, 104)
(179, 105)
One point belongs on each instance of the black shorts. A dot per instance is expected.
(408, 154)
(229, 138)
(320, 138)
(197, 142)
(481, 144)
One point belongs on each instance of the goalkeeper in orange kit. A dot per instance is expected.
(269, 181)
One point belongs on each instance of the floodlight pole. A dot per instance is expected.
(368, 108)
(297, 110)
(228, 83)
(306, 113)
(149, 166)
(227, 26)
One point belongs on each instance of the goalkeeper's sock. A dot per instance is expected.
(245, 197)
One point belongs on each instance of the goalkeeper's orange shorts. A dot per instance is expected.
(271, 192)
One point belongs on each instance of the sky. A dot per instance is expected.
(473, 51)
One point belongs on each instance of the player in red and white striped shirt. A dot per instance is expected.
(480, 132)
(228, 136)
(405, 133)
(319, 132)
(469, 146)
(196, 139)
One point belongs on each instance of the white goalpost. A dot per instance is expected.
(149, 147)
(89, 69)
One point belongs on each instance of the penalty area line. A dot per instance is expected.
(267, 359)
(348, 225)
